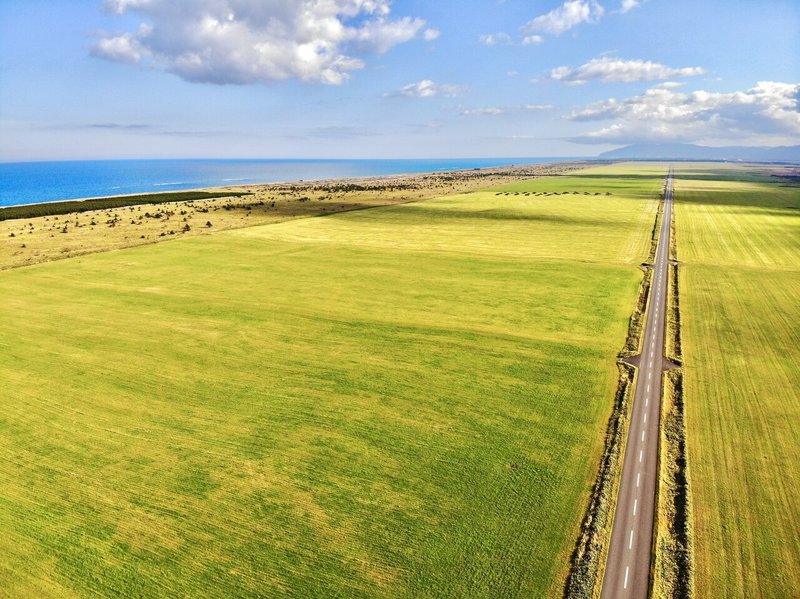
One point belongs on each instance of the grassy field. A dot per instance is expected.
(127, 221)
(399, 402)
(738, 236)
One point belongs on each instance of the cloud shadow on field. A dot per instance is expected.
(416, 212)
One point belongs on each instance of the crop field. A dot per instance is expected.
(738, 236)
(404, 401)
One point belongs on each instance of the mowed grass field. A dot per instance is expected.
(397, 402)
(738, 236)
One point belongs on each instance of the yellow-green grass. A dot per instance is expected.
(738, 237)
(400, 402)
(31, 240)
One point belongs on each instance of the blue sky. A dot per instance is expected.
(85, 79)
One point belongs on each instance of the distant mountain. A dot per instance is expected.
(693, 152)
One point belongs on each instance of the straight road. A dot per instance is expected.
(627, 573)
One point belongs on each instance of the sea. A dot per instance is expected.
(33, 182)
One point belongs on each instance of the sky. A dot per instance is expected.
(107, 79)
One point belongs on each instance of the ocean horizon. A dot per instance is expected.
(47, 181)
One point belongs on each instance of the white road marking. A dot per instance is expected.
(646, 401)
(635, 503)
(642, 435)
(638, 474)
(648, 387)
(626, 578)
(645, 417)
(640, 455)
(650, 374)
(630, 542)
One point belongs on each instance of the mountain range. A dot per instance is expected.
(695, 152)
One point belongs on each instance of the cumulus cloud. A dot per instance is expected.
(121, 48)
(766, 113)
(565, 17)
(608, 69)
(431, 34)
(629, 5)
(428, 89)
(254, 41)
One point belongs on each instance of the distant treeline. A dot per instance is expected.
(69, 206)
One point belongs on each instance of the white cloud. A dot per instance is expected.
(122, 48)
(249, 41)
(118, 7)
(767, 113)
(487, 111)
(428, 89)
(608, 69)
(498, 110)
(670, 85)
(431, 34)
(629, 5)
(565, 17)
(381, 35)
(532, 40)
(496, 39)
(493, 39)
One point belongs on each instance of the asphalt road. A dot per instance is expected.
(627, 573)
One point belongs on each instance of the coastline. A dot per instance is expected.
(32, 235)
(315, 181)
(24, 183)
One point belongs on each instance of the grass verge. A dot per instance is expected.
(592, 547)
(672, 569)
(584, 580)
(673, 558)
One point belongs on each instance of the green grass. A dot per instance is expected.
(738, 236)
(75, 206)
(399, 402)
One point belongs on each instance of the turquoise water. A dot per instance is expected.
(31, 182)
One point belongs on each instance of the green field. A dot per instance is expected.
(738, 236)
(398, 402)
